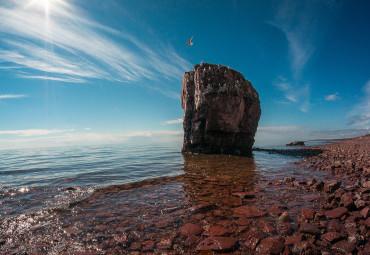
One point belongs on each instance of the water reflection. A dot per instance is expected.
(215, 179)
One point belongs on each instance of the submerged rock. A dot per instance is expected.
(221, 111)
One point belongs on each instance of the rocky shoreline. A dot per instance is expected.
(220, 205)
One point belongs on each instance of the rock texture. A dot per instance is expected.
(221, 111)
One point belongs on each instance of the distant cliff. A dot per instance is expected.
(221, 111)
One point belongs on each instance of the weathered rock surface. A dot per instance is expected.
(221, 111)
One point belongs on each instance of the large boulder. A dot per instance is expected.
(221, 111)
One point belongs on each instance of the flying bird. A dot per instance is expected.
(189, 43)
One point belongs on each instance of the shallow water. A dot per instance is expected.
(102, 195)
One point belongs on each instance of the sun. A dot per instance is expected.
(44, 4)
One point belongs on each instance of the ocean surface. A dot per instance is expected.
(37, 179)
(45, 191)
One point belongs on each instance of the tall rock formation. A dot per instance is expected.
(221, 111)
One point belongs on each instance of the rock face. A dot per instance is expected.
(221, 111)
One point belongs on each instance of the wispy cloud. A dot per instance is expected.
(303, 24)
(360, 115)
(279, 128)
(169, 122)
(11, 96)
(34, 132)
(295, 94)
(71, 47)
(332, 97)
(345, 133)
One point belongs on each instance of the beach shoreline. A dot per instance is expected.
(231, 209)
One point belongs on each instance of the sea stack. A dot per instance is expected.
(221, 111)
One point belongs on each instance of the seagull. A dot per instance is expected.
(189, 43)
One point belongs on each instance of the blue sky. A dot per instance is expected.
(73, 72)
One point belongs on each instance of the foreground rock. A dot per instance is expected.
(221, 111)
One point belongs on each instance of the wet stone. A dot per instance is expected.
(331, 237)
(243, 221)
(344, 246)
(148, 245)
(216, 231)
(308, 213)
(289, 240)
(336, 213)
(275, 210)
(249, 211)
(190, 229)
(309, 228)
(217, 243)
(271, 245)
(331, 186)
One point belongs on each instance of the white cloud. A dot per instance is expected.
(332, 97)
(169, 122)
(303, 24)
(33, 132)
(65, 79)
(360, 115)
(279, 128)
(337, 134)
(11, 96)
(297, 94)
(71, 47)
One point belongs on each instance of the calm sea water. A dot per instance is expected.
(35, 179)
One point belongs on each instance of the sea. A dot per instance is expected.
(37, 184)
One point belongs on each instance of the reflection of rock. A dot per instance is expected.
(208, 180)
(296, 143)
(221, 111)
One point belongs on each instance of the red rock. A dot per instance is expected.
(365, 212)
(334, 225)
(336, 213)
(148, 245)
(268, 227)
(311, 197)
(251, 238)
(304, 247)
(230, 201)
(331, 237)
(221, 111)
(344, 246)
(347, 200)
(190, 229)
(309, 228)
(201, 208)
(285, 228)
(367, 223)
(275, 210)
(249, 211)
(243, 221)
(318, 186)
(217, 243)
(292, 239)
(165, 243)
(331, 186)
(271, 245)
(308, 213)
(216, 231)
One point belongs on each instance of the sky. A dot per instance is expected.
(88, 71)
